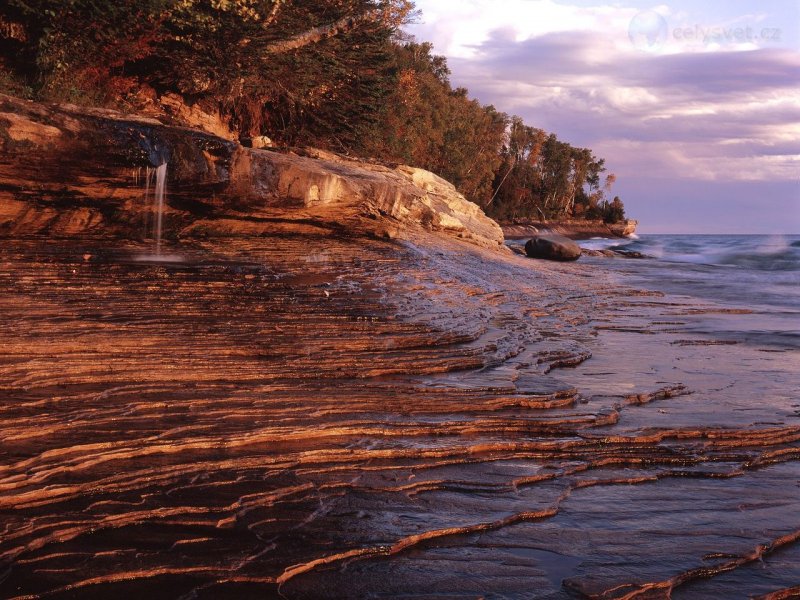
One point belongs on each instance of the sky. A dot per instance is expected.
(694, 105)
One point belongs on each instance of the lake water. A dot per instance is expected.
(759, 273)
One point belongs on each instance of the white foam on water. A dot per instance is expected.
(600, 243)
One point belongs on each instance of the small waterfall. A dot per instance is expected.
(155, 182)
(160, 196)
(148, 206)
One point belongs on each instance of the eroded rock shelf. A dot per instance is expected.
(314, 416)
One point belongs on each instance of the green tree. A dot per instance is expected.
(301, 60)
(614, 211)
(431, 125)
(518, 181)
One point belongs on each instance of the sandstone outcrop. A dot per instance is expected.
(625, 228)
(176, 108)
(308, 417)
(66, 170)
(553, 247)
(576, 229)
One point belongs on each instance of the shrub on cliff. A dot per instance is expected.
(614, 211)
(295, 64)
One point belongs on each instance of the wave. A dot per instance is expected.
(759, 253)
(601, 243)
(760, 272)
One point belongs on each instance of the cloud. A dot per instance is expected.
(712, 113)
(698, 106)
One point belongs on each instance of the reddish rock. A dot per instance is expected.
(66, 171)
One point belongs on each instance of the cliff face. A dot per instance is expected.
(67, 171)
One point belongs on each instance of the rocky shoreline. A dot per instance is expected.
(264, 419)
(71, 171)
(573, 229)
(334, 382)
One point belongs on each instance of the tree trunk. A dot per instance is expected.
(323, 32)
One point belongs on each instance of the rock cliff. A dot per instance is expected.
(66, 170)
(574, 229)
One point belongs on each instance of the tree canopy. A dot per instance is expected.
(337, 74)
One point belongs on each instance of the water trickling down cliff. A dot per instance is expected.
(67, 171)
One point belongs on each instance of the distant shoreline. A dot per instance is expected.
(576, 230)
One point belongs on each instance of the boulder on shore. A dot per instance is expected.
(553, 247)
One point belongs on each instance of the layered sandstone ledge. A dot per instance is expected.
(304, 416)
(573, 229)
(68, 171)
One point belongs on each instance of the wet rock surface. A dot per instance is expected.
(314, 387)
(613, 253)
(66, 171)
(317, 414)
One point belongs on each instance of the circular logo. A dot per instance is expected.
(648, 31)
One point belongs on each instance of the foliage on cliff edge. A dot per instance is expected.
(337, 74)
